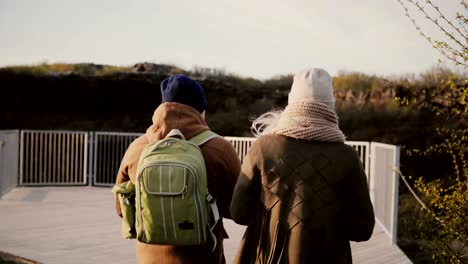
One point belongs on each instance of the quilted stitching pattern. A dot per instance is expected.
(297, 181)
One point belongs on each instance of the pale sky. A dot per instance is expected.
(251, 38)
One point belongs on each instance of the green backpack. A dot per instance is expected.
(172, 199)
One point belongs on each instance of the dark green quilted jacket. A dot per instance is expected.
(303, 201)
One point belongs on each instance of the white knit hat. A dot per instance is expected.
(312, 84)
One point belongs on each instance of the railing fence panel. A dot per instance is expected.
(363, 149)
(241, 145)
(384, 185)
(9, 160)
(108, 151)
(53, 157)
(66, 157)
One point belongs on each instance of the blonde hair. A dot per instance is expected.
(266, 123)
(270, 121)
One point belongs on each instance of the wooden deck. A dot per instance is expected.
(78, 225)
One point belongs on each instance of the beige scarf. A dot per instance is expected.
(309, 121)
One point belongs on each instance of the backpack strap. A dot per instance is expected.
(201, 139)
(214, 208)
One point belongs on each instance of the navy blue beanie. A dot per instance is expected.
(180, 88)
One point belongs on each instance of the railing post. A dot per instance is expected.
(372, 173)
(21, 159)
(396, 195)
(91, 158)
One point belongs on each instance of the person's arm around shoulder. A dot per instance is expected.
(360, 212)
(247, 189)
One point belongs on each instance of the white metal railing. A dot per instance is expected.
(62, 157)
(108, 149)
(53, 157)
(363, 150)
(383, 186)
(9, 153)
(241, 144)
(71, 158)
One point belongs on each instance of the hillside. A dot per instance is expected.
(91, 97)
(118, 101)
(94, 97)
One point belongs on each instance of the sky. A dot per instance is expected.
(250, 38)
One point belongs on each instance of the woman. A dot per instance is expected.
(302, 192)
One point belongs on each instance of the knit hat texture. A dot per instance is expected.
(180, 88)
(310, 113)
(312, 85)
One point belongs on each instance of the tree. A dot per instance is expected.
(444, 202)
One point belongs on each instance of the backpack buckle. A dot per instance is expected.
(210, 198)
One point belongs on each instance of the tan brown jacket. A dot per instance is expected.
(223, 167)
(303, 201)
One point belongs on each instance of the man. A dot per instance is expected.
(183, 107)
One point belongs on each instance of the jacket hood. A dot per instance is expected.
(172, 115)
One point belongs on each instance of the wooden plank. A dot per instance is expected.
(79, 225)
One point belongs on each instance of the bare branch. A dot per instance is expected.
(463, 59)
(434, 20)
(441, 15)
